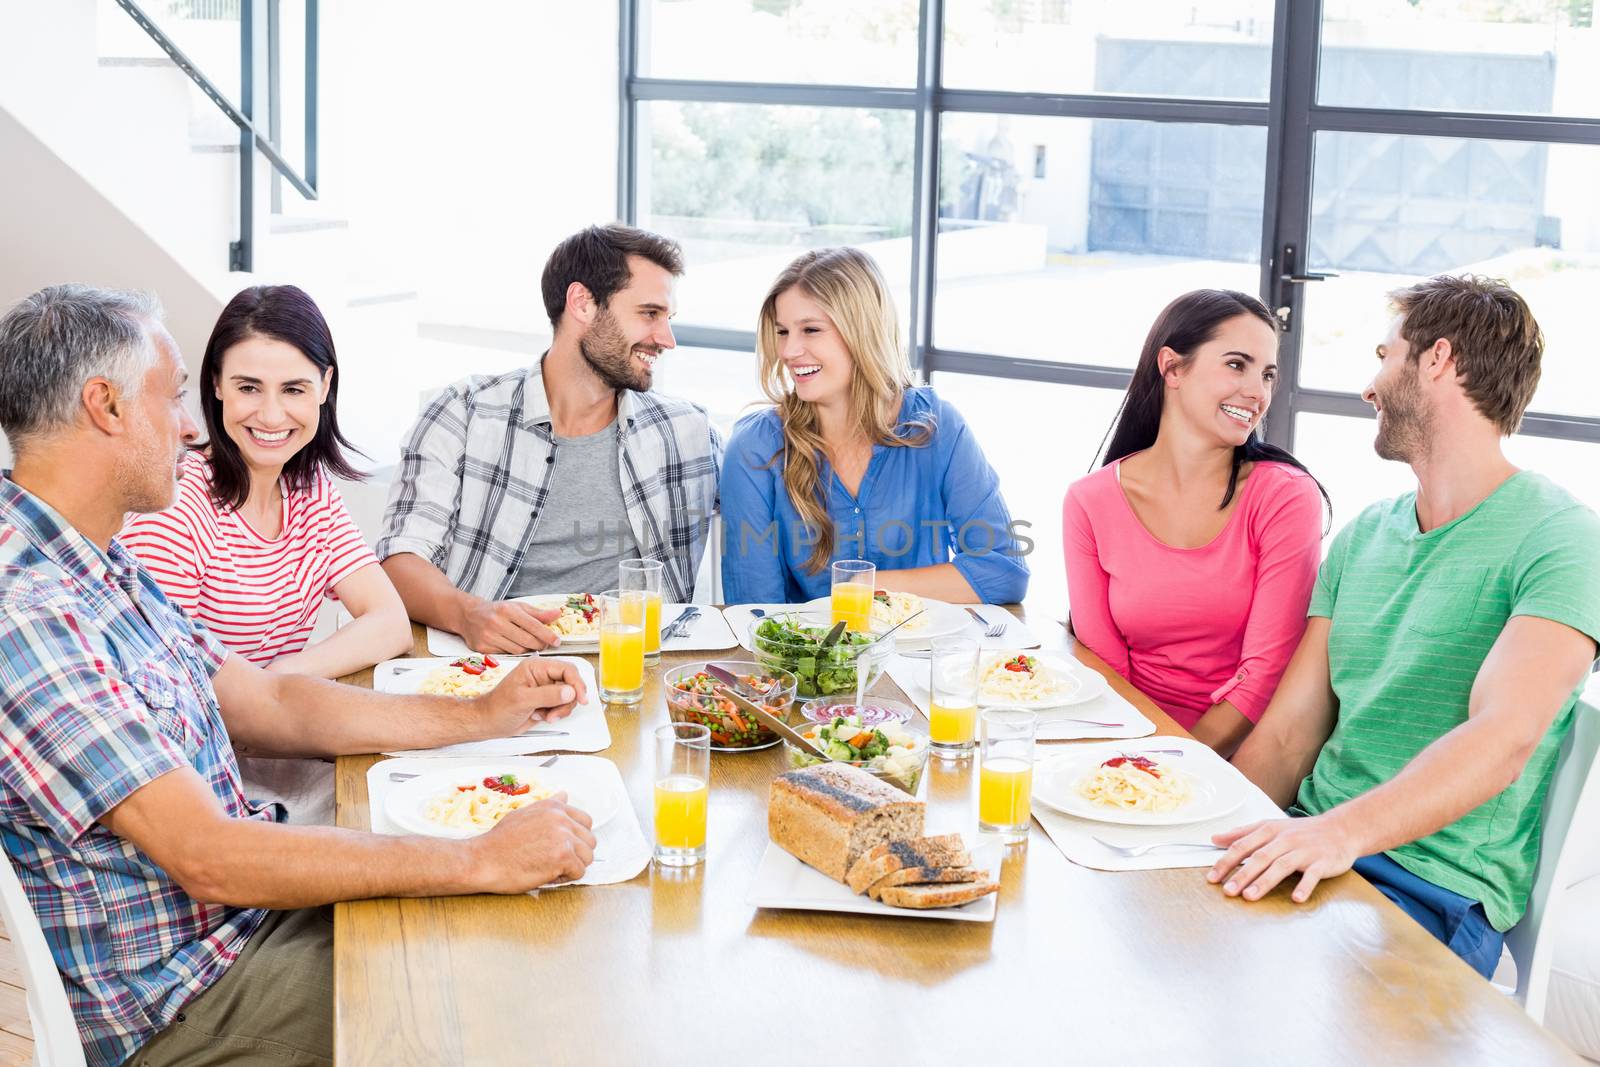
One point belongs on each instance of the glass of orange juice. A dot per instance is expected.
(622, 614)
(854, 582)
(683, 781)
(953, 696)
(1005, 772)
(646, 575)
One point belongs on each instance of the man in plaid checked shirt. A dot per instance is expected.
(183, 919)
(512, 485)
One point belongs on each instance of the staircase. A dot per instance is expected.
(120, 172)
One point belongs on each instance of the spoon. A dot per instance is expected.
(763, 716)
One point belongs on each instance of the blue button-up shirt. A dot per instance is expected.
(104, 687)
(917, 506)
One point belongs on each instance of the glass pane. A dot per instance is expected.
(747, 187)
(1207, 51)
(1338, 450)
(1388, 209)
(1533, 57)
(828, 42)
(1008, 418)
(719, 380)
(1062, 238)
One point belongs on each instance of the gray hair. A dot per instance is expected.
(55, 341)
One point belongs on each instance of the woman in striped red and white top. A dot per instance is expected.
(259, 536)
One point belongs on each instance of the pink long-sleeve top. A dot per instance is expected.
(1191, 627)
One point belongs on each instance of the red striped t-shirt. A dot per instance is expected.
(259, 597)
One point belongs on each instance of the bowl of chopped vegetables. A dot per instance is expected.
(692, 697)
(793, 642)
(889, 750)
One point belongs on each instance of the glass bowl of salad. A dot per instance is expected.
(692, 697)
(890, 750)
(792, 641)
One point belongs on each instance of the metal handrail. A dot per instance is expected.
(241, 253)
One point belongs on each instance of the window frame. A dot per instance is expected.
(1291, 116)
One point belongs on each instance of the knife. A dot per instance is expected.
(729, 689)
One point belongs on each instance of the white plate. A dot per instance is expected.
(784, 882)
(938, 619)
(1077, 688)
(407, 680)
(1216, 791)
(586, 790)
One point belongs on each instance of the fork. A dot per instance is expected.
(996, 629)
(401, 776)
(1139, 850)
(680, 625)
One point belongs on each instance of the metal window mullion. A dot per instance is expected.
(627, 145)
(1105, 106)
(1022, 369)
(724, 92)
(313, 45)
(1296, 54)
(1455, 124)
(925, 182)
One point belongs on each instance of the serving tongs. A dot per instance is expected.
(730, 689)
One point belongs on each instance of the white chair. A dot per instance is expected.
(55, 1034)
(1571, 823)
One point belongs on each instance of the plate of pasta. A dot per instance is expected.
(463, 677)
(1135, 788)
(462, 802)
(891, 608)
(1027, 680)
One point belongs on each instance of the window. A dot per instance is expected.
(747, 187)
(1038, 178)
(1061, 239)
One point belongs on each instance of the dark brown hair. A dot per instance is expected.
(598, 258)
(1494, 338)
(1183, 326)
(284, 313)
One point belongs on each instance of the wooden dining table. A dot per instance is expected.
(1079, 965)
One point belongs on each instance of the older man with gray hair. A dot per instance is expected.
(184, 919)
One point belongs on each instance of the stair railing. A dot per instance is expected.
(258, 56)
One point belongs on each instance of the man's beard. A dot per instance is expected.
(1405, 423)
(148, 476)
(610, 355)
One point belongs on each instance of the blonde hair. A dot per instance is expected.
(851, 290)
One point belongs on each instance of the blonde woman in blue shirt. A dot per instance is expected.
(853, 460)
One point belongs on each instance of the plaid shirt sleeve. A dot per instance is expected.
(425, 502)
(79, 736)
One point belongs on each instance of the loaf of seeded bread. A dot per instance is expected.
(828, 814)
(925, 876)
(945, 851)
(937, 896)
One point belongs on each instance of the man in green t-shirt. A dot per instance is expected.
(1416, 728)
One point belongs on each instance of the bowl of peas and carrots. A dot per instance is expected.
(692, 697)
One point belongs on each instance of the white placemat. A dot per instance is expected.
(1055, 724)
(1076, 838)
(586, 727)
(708, 632)
(621, 850)
(1017, 633)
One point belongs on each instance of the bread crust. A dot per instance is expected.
(946, 851)
(925, 876)
(827, 814)
(937, 896)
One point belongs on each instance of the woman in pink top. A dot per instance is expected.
(259, 536)
(1191, 553)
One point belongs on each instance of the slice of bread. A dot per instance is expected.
(925, 876)
(945, 851)
(828, 814)
(937, 896)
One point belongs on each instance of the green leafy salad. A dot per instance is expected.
(797, 648)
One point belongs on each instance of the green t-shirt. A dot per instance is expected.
(1413, 616)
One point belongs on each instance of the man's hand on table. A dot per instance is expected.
(542, 843)
(536, 690)
(508, 626)
(1263, 854)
